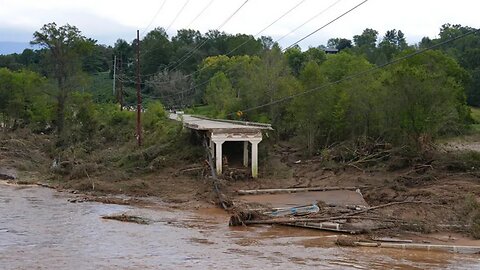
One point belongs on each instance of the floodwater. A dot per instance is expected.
(39, 229)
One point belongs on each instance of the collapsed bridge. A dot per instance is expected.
(221, 131)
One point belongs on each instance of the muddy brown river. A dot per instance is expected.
(39, 229)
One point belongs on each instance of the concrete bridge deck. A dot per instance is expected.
(204, 123)
(220, 131)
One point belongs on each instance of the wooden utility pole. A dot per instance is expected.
(139, 96)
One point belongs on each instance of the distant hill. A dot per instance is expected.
(9, 47)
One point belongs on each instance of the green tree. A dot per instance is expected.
(29, 58)
(465, 51)
(425, 43)
(10, 61)
(186, 37)
(82, 121)
(392, 43)
(97, 59)
(220, 95)
(315, 54)
(242, 44)
(425, 98)
(156, 51)
(267, 82)
(123, 50)
(22, 101)
(366, 44)
(470, 60)
(368, 39)
(267, 42)
(237, 68)
(295, 59)
(339, 43)
(185, 45)
(311, 112)
(64, 46)
(154, 116)
(352, 107)
(216, 43)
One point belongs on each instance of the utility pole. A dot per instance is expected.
(139, 96)
(114, 72)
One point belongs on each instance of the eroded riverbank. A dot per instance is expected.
(39, 229)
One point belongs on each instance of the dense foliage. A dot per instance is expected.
(308, 95)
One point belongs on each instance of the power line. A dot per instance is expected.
(173, 94)
(257, 34)
(275, 21)
(154, 17)
(309, 20)
(233, 14)
(236, 48)
(358, 74)
(189, 54)
(181, 92)
(268, 26)
(178, 15)
(199, 14)
(327, 24)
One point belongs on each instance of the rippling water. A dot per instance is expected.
(39, 229)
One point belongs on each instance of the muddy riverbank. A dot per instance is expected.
(40, 229)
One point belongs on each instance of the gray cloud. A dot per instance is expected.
(108, 20)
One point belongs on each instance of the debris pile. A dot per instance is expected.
(321, 215)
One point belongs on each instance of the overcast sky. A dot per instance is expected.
(108, 20)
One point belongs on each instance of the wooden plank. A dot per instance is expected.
(392, 240)
(292, 190)
(324, 226)
(427, 247)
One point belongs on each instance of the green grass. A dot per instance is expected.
(475, 113)
(472, 134)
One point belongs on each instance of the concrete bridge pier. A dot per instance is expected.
(218, 156)
(255, 157)
(245, 154)
(216, 143)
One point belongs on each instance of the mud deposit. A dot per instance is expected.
(39, 229)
